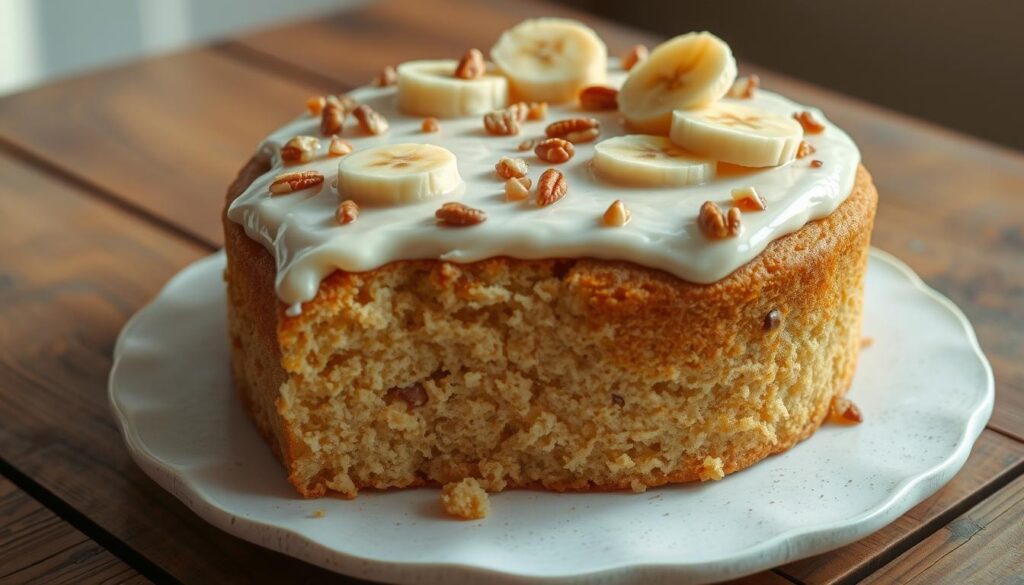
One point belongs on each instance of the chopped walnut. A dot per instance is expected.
(554, 150)
(340, 147)
(617, 215)
(521, 110)
(291, 182)
(518, 189)
(715, 224)
(804, 149)
(508, 168)
(371, 121)
(748, 199)
(471, 66)
(457, 214)
(430, 125)
(537, 111)
(734, 221)
(634, 55)
(501, 123)
(387, 77)
(810, 124)
(574, 130)
(315, 104)
(598, 97)
(332, 118)
(299, 149)
(551, 187)
(844, 411)
(347, 212)
(744, 87)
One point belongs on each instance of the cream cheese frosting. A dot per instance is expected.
(308, 244)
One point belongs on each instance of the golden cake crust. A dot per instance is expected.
(634, 378)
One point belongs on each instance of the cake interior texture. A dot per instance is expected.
(561, 374)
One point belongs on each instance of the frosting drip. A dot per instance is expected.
(307, 243)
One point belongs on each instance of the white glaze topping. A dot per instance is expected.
(300, 230)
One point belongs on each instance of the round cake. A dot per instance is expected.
(676, 300)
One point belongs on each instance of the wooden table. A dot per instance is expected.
(113, 181)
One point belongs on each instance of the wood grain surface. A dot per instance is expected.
(38, 547)
(113, 181)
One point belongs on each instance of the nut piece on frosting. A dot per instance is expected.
(554, 150)
(347, 212)
(617, 215)
(744, 87)
(291, 182)
(509, 168)
(717, 225)
(805, 149)
(386, 78)
(575, 130)
(597, 98)
(370, 120)
(430, 125)
(340, 147)
(748, 199)
(471, 66)
(551, 187)
(518, 189)
(458, 214)
(332, 118)
(501, 123)
(315, 104)
(810, 124)
(634, 55)
(299, 149)
(465, 500)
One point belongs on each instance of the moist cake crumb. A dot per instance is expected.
(465, 500)
(712, 469)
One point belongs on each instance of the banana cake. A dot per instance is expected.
(545, 270)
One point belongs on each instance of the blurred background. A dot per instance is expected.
(956, 63)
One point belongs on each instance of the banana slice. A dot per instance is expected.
(550, 59)
(639, 159)
(737, 134)
(430, 88)
(394, 174)
(688, 71)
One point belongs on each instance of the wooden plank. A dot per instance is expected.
(944, 195)
(166, 135)
(72, 271)
(38, 547)
(985, 545)
(994, 460)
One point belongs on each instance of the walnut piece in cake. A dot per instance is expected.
(465, 500)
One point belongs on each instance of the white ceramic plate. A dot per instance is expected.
(924, 387)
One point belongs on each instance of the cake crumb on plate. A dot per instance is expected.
(465, 499)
